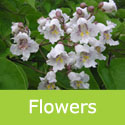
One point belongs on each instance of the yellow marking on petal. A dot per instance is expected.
(87, 32)
(81, 34)
(48, 86)
(85, 58)
(78, 83)
(53, 86)
(107, 36)
(59, 59)
(55, 32)
(98, 49)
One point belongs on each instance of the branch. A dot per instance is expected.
(29, 66)
(44, 44)
(42, 54)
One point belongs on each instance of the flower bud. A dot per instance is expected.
(100, 5)
(26, 28)
(79, 11)
(75, 44)
(51, 69)
(69, 69)
(60, 42)
(96, 22)
(65, 27)
(90, 9)
(83, 5)
(48, 18)
(20, 25)
(58, 14)
(69, 30)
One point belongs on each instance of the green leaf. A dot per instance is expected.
(5, 24)
(71, 4)
(122, 37)
(113, 76)
(101, 17)
(63, 80)
(6, 53)
(91, 2)
(32, 3)
(2, 47)
(14, 5)
(121, 13)
(66, 10)
(12, 76)
(58, 2)
(92, 81)
(33, 77)
(26, 9)
(119, 29)
(47, 6)
(32, 18)
(118, 23)
(11, 5)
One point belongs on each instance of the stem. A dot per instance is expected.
(29, 66)
(109, 59)
(63, 38)
(96, 11)
(67, 45)
(93, 14)
(42, 54)
(116, 50)
(90, 16)
(8, 10)
(44, 44)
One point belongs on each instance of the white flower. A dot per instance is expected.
(19, 27)
(83, 31)
(69, 29)
(15, 28)
(79, 80)
(85, 56)
(76, 16)
(109, 6)
(106, 33)
(41, 21)
(72, 58)
(99, 47)
(52, 14)
(53, 31)
(24, 45)
(48, 82)
(57, 57)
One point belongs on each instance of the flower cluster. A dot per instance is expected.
(86, 38)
